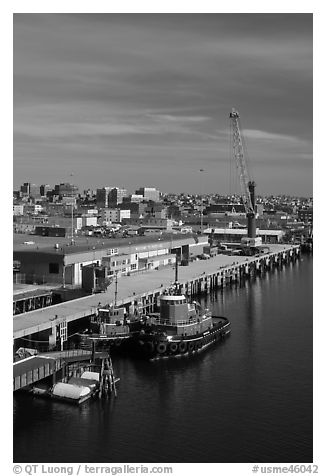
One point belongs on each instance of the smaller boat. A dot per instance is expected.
(75, 390)
(109, 328)
(79, 385)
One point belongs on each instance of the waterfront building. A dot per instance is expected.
(62, 263)
(235, 234)
(121, 264)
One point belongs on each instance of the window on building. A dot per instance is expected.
(133, 266)
(54, 268)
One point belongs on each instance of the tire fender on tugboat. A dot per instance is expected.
(182, 347)
(191, 346)
(161, 348)
(173, 347)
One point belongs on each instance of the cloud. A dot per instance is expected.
(108, 84)
(268, 136)
(178, 119)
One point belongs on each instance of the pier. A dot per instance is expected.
(139, 292)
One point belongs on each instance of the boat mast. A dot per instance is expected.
(176, 268)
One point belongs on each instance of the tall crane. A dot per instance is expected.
(247, 186)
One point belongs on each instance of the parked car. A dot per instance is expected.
(204, 256)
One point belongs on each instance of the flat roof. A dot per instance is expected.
(32, 294)
(21, 288)
(83, 244)
(241, 231)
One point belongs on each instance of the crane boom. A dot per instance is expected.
(247, 186)
(240, 162)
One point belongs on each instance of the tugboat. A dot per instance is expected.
(109, 328)
(179, 329)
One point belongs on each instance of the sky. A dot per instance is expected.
(133, 100)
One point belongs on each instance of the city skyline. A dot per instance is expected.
(131, 192)
(143, 99)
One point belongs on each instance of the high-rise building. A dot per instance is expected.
(44, 189)
(30, 190)
(25, 188)
(102, 197)
(149, 193)
(34, 190)
(116, 196)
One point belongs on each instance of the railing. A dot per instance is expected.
(166, 322)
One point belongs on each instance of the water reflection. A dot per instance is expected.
(248, 398)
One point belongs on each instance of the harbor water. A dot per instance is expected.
(247, 399)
